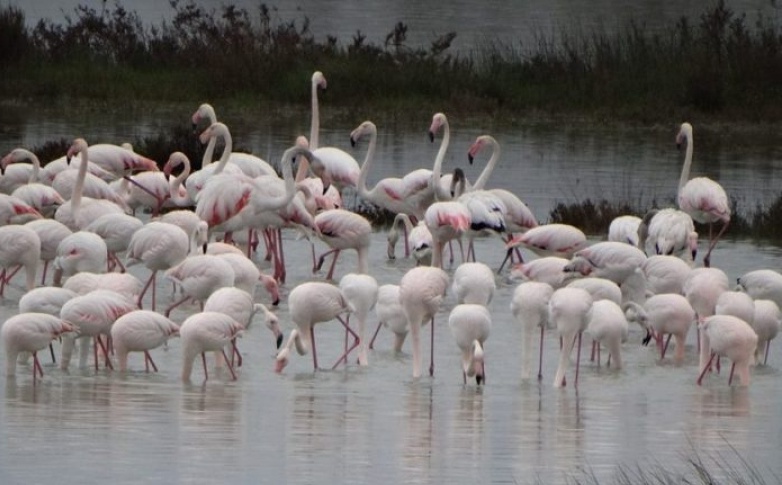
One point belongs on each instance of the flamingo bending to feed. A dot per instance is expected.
(390, 314)
(608, 326)
(548, 269)
(84, 282)
(51, 233)
(665, 274)
(207, 332)
(766, 322)
(19, 246)
(702, 198)
(310, 303)
(159, 246)
(116, 230)
(530, 309)
(470, 326)
(239, 305)
(733, 338)
(665, 313)
(94, 314)
(419, 239)
(561, 240)
(570, 309)
(14, 210)
(624, 229)
(30, 332)
(43, 198)
(247, 275)
(702, 288)
(342, 229)
(473, 283)
(421, 293)
(81, 251)
(141, 331)
(671, 232)
(47, 299)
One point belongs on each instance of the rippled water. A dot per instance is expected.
(378, 424)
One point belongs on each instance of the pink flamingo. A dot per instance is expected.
(14, 210)
(561, 240)
(421, 293)
(470, 326)
(529, 306)
(141, 331)
(199, 276)
(762, 284)
(702, 288)
(310, 303)
(624, 229)
(94, 314)
(672, 232)
(176, 195)
(341, 229)
(665, 313)
(360, 291)
(247, 275)
(570, 309)
(116, 230)
(47, 299)
(733, 338)
(19, 246)
(665, 274)
(548, 269)
(766, 322)
(239, 305)
(30, 332)
(43, 198)
(159, 246)
(702, 198)
(389, 314)
(419, 239)
(84, 282)
(473, 283)
(446, 221)
(207, 332)
(608, 326)
(81, 251)
(51, 233)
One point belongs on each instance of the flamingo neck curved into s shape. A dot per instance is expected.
(489, 168)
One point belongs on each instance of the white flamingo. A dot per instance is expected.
(19, 246)
(390, 314)
(470, 326)
(199, 276)
(141, 331)
(530, 309)
(766, 322)
(570, 310)
(419, 239)
(361, 292)
(473, 283)
(30, 332)
(50, 233)
(207, 332)
(733, 338)
(624, 229)
(661, 314)
(608, 326)
(421, 293)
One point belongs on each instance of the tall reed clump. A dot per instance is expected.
(720, 64)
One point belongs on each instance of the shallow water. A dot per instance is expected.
(378, 424)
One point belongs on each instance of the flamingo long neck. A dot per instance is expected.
(210, 115)
(189, 355)
(79, 187)
(174, 187)
(403, 218)
(489, 168)
(363, 260)
(36, 167)
(315, 121)
(302, 171)
(368, 159)
(438, 162)
(685, 175)
(226, 151)
(278, 202)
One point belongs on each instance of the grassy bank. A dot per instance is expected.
(721, 66)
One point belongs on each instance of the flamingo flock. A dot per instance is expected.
(207, 230)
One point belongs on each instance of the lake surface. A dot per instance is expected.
(378, 424)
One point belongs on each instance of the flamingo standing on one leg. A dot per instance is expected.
(141, 331)
(530, 309)
(570, 310)
(421, 292)
(470, 326)
(30, 332)
(310, 303)
(702, 198)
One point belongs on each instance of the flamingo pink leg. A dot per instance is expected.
(705, 369)
(765, 357)
(148, 361)
(665, 347)
(540, 355)
(227, 364)
(578, 360)
(174, 305)
(314, 352)
(36, 367)
(144, 291)
(357, 340)
(431, 358)
(377, 331)
(732, 369)
(203, 359)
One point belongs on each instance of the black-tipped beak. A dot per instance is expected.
(431, 136)
(648, 338)
(276, 302)
(279, 341)
(453, 194)
(2, 170)
(195, 127)
(68, 159)
(352, 142)
(204, 247)
(325, 189)
(470, 158)
(694, 254)
(479, 379)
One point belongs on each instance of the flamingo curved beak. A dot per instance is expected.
(279, 340)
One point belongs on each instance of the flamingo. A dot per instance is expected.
(446, 221)
(43, 198)
(762, 284)
(176, 195)
(19, 245)
(199, 276)
(30, 332)
(250, 165)
(123, 283)
(618, 262)
(197, 180)
(18, 174)
(421, 293)
(361, 292)
(529, 306)
(79, 210)
(50, 233)
(119, 160)
(52, 169)
(159, 246)
(735, 303)
(766, 322)
(116, 230)
(342, 229)
(486, 214)
(561, 240)
(81, 251)
(599, 288)
(419, 239)
(702, 198)
(390, 314)
(733, 338)
(702, 288)
(548, 269)
(624, 229)
(470, 326)
(141, 331)
(47, 300)
(333, 165)
(14, 210)
(439, 185)
(570, 309)
(194, 227)
(247, 275)
(239, 305)
(93, 314)
(665, 313)
(473, 283)
(608, 326)
(206, 332)
(310, 303)
(387, 193)
(672, 232)
(665, 274)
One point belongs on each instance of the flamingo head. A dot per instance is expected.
(77, 146)
(319, 80)
(579, 264)
(175, 160)
(475, 148)
(692, 240)
(65, 327)
(364, 128)
(204, 111)
(438, 120)
(684, 135)
(272, 287)
(282, 360)
(477, 363)
(13, 156)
